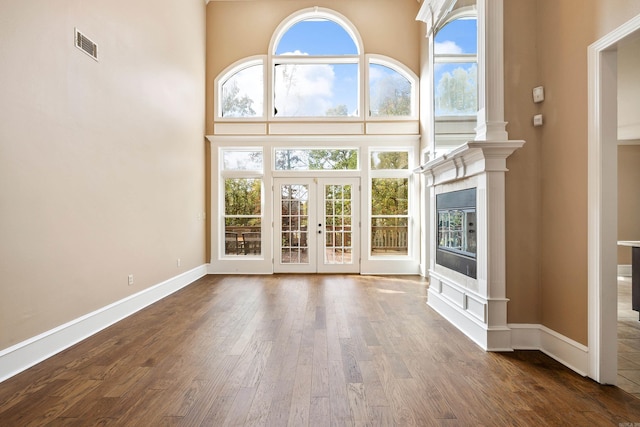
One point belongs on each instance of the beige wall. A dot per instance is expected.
(628, 198)
(101, 163)
(523, 183)
(239, 29)
(546, 44)
(629, 90)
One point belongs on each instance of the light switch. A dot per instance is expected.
(538, 94)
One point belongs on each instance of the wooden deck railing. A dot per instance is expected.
(386, 238)
(389, 238)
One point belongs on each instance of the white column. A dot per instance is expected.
(491, 125)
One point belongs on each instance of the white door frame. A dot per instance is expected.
(316, 227)
(603, 203)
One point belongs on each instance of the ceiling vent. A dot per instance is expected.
(86, 45)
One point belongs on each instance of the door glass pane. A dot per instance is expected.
(338, 247)
(295, 220)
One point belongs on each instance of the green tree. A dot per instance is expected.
(340, 110)
(320, 159)
(391, 96)
(242, 200)
(390, 160)
(389, 196)
(234, 105)
(457, 92)
(333, 159)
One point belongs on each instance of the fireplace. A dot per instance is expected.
(456, 239)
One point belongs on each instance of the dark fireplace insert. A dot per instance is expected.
(456, 240)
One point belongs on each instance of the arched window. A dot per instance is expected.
(240, 90)
(315, 69)
(455, 82)
(316, 66)
(392, 89)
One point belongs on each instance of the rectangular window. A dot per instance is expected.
(389, 216)
(243, 216)
(315, 90)
(302, 159)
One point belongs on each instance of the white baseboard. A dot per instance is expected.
(624, 270)
(28, 353)
(570, 353)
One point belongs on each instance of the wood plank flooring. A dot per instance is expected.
(628, 340)
(298, 350)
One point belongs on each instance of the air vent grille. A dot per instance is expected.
(86, 45)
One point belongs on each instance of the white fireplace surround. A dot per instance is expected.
(478, 306)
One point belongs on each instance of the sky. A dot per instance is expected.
(311, 89)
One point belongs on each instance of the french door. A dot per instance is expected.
(317, 225)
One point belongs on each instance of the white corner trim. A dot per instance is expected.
(570, 353)
(32, 351)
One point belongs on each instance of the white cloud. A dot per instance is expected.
(295, 53)
(304, 90)
(447, 47)
(375, 74)
(250, 83)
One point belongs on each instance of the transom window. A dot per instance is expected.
(307, 159)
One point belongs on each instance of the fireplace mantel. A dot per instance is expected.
(477, 306)
(469, 159)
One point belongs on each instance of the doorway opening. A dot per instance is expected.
(602, 201)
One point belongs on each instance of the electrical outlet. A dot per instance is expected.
(178, 262)
(130, 279)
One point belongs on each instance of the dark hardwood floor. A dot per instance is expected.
(301, 350)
